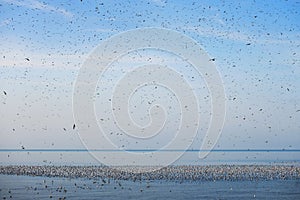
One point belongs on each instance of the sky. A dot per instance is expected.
(255, 45)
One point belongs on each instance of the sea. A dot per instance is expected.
(38, 187)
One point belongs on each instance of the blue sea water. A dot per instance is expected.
(28, 187)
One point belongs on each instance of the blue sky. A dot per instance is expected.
(255, 43)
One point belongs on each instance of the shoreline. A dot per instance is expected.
(172, 173)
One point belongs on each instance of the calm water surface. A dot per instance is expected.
(27, 187)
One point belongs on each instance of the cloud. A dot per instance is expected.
(14, 52)
(35, 4)
(159, 2)
(65, 61)
(240, 36)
